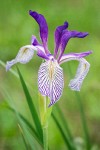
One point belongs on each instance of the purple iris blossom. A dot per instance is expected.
(50, 74)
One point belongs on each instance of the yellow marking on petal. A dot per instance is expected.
(24, 51)
(52, 66)
(51, 70)
(85, 66)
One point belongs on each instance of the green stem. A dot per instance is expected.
(45, 113)
(45, 136)
(45, 126)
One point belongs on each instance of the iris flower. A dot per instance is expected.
(50, 74)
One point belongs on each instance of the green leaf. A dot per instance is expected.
(24, 140)
(28, 124)
(31, 108)
(29, 139)
(65, 126)
(64, 122)
(9, 105)
(66, 139)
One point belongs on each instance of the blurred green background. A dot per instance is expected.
(16, 29)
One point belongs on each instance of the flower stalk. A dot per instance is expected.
(45, 113)
(45, 136)
(45, 125)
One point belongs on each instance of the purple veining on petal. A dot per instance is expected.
(65, 38)
(43, 27)
(58, 34)
(83, 68)
(24, 55)
(50, 80)
(70, 56)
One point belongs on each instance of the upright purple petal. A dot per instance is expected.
(58, 34)
(66, 36)
(43, 27)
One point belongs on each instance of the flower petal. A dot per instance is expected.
(34, 41)
(65, 38)
(50, 80)
(43, 27)
(71, 56)
(58, 34)
(42, 54)
(24, 55)
(83, 68)
(9, 64)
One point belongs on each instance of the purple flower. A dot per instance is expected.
(50, 74)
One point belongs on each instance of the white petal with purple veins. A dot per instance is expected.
(24, 55)
(50, 80)
(83, 68)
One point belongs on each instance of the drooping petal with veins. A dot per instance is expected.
(24, 55)
(83, 68)
(50, 80)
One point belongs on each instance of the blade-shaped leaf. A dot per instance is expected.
(31, 141)
(64, 125)
(64, 122)
(28, 124)
(9, 105)
(31, 107)
(66, 139)
(24, 140)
